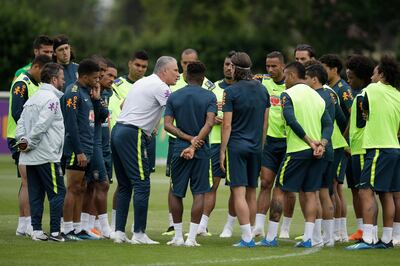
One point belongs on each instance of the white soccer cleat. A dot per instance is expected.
(143, 239)
(191, 243)
(329, 244)
(258, 232)
(39, 236)
(120, 238)
(317, 245)
(396, 242)
(284, 234)
(29, 231)
(177, 242)
(344, 238)
(227, 232)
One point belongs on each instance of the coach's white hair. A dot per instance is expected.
(162, 62)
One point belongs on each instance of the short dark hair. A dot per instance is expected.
(332, 61)
(390, 69)
(49, 71)
(99, 60)
(196, 72)
(110, 63)
(42, 40)
(298, 68)
(60, 40)
(276, 54)
(41, 60)
(311, 62)
(317, 71)
(87, 67)
(142, 55)
(305, 47)
(230, 54)
(242, 63)
(361, 66)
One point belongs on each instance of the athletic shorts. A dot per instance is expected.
(327, 177)
(273, 153)
(300, 173)
(339, 165)
(197, 171)
(97, 171)
(242, 167)
(379, 171)
(396, 180)
(356, 167)
(71, 162)
(171, 142)
(216, 167)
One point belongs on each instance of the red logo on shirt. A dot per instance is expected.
(275, 101)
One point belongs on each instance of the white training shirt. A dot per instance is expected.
(145, 103)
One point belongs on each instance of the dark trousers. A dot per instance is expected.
(151, 150)
(128, 145)
(46, 179)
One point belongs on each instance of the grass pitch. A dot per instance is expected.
(214, 250)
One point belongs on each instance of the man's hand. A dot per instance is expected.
(23, 145)
(222, 161)
(218, 120)
(197, 143)
(82, 160)
(188, 153)
(319, 152)
(155, 132)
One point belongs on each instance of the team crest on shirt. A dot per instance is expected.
(333, 97)
(167, 93)
(53, 107)
(71, 102)
(74, 88)
(209, 85)
(340, 84)
(27, 80)
(20, 90)
(118, 81)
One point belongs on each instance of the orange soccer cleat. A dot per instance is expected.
(356, 236)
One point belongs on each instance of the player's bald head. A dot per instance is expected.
(189, 51)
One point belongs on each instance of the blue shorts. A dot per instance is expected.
(327, 177)
(242, 167)
(71, 162)
(396, 180)
(300, 171)
(379, 171)
(171, 142)
(356, 167)
(273, 153)
(339, 165)
(97, 171)
(216, 167)
(197, 171)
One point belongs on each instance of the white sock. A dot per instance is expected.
(21, 224)
(77, 227)
(260, 221)
(85, 220)
(28, 221)
(246, 232)
(193, 231)
(336, 227)
(230, 221)
(105, 227)
(170, 220)
(343, 226)
(387, 234)
(375, 234)
(360, 224)
(316, 236)
(308, 230)
(286, 222)
(113, 218)
(178, 230)
(68, 227)
(396, 231)
(92, 218)
(368, 234)
(97, 224)
(329, 230)
(272, 230)
(203, 223)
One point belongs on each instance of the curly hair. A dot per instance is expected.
(390, 69)
(361, 66)
(332, 61)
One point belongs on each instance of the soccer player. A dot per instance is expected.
(63, 56)
(137, 66)
(275, 144)
(193, 109)
(79, 117)
(308, 128)
(381, 107)
(42, 45)
(333, 66)
(40, 132)
(188, 56)
(22, 88)
(140, 115)
(244, 127)
(304, 53)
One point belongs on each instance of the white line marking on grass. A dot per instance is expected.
(239, 260)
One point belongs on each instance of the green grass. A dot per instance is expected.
(214, 250)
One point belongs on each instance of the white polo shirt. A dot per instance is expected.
(145, 103)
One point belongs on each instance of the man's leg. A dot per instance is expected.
(114, 209)
(37, 195)
(74, 190)
(396, 224)
(275, 213)
(101, 190)
(388, 212)
(228, 227)
(23, 199)
(176, 212)
(210, 199)
(242, 212)
(288, 210)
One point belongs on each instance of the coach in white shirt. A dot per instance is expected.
(140, 115)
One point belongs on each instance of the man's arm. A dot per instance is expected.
(171, 128)
(265, 127)
(19, 95)
(71, 120)
(225, 135)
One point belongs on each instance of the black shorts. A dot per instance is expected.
(273, 153)
(216, 167)
(339, 165)
(356, 166)
(71, 162)
(327, 177)
(171, 142)
(242, 167)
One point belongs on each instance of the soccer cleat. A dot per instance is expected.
(19, 233)
(344, 238)
(191, 243)
(84, 235)
(299, 238)
(304, 244)
(120, 237)
(356, 236)
(71, 236)
(318, 245)
(29, 231)
(95, 232)
(267, 243)
(39, 236)
(329, 244)
(176, 242)
(204, 233)
(258, 232)
(227, 232)
(57, 238)
(284, 234)
(244, 244)
(360, 245)
(143, 239)
(396, 242)
(170, 231)
(383, 245)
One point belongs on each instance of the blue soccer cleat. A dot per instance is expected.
(360, 245)
(244, 244)
(267, 243)
(304, 244)
(383, 245)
